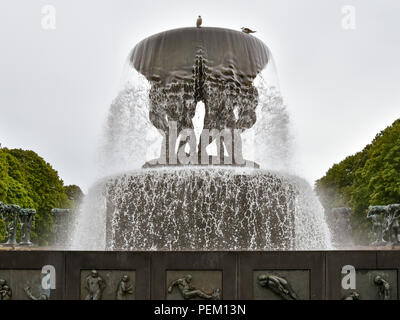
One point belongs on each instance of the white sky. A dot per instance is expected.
(341, 86)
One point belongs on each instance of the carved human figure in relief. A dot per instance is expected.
(189, 292)
(5, 290)
(383, 288)
(278, 285)
(95, 285)
(124, 289)
(30, 295)
(353, 295)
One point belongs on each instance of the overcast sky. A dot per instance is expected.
(341, 85)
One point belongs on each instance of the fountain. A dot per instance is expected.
(187, 197)
(197, 200)
(197, 196)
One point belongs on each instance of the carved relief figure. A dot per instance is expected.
(383, 288)
(124, 288)
(189, 292)
(278, 285)
(5, 290)
(353, 295)
(28, 292)
(95, 285)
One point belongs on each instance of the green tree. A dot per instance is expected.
(27, 180)
(370, 177)
(74, 194)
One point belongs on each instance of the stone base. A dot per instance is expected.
(155, 163)
(314, 275)
(9, 245)
(26, 244)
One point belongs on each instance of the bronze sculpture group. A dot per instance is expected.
(14, 216)
(385, 224)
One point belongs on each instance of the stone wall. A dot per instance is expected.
(211, 275)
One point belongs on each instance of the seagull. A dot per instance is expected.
(199, 22)
(247, 30)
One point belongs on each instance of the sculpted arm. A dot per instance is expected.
(173, 283)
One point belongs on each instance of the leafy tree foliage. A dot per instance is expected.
(74, 193)
(370, 177)
(27, 180)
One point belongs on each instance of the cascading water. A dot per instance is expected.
(269, 141)
(199, 207)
